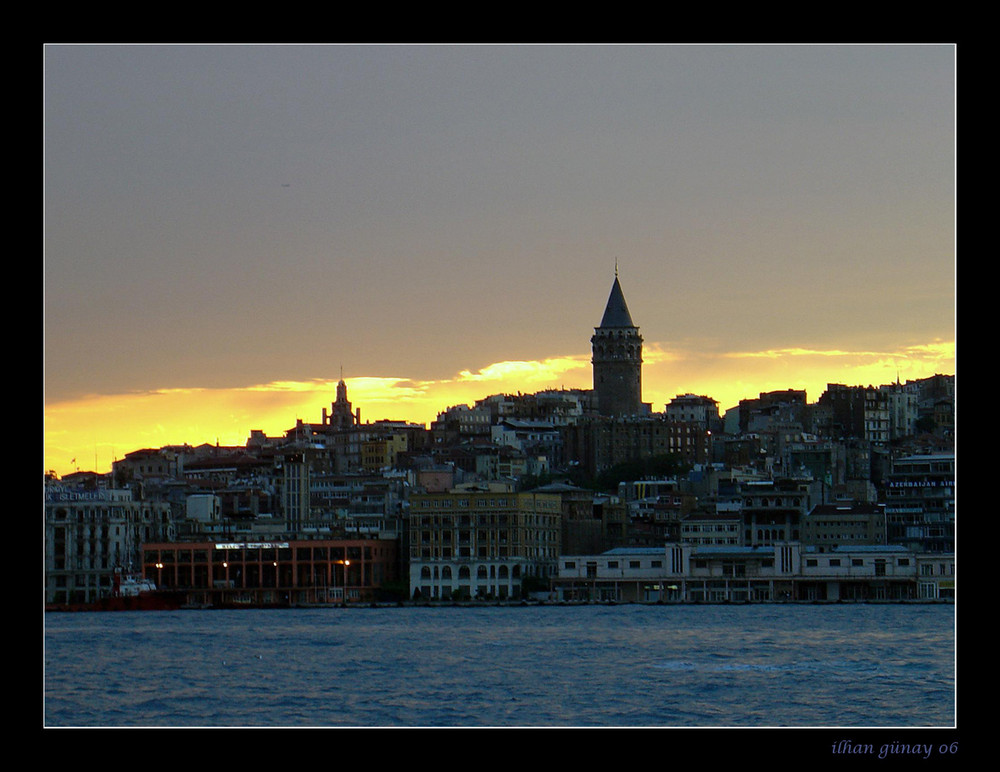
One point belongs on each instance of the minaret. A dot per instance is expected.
(617, 358)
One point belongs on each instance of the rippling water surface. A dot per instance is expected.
(583, 666)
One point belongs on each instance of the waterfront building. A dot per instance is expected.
(479, 542)
(883, 572)
(681, 572)
(624, 574)
(90, 535)
(275, 573)
(935, 575)
(738, 574)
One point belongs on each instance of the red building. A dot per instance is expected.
(274, 573)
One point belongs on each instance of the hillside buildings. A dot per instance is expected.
(563, 494)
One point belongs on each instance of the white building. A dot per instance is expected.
(903, 406)
(203, 507)
(778, 572)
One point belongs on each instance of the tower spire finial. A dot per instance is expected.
(616, 267)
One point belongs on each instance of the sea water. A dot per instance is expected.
(843, 665)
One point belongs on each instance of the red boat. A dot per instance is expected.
(129, 593)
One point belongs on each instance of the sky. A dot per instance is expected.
(230, 229)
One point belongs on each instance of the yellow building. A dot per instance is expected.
(381, 452)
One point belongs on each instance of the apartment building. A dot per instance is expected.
(830, 526)
(723, 526)
(597, 443)
(772, 510)
(92, 534)
(481, 543)
(856, 411)
(691, 408)
(920, 502)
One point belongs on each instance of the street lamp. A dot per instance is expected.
(345, 563)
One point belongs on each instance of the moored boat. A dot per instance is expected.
(129, 593)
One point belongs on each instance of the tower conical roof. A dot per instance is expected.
(616, 312)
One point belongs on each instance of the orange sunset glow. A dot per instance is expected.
(90, 433)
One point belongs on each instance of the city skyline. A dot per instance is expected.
(230, 228)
